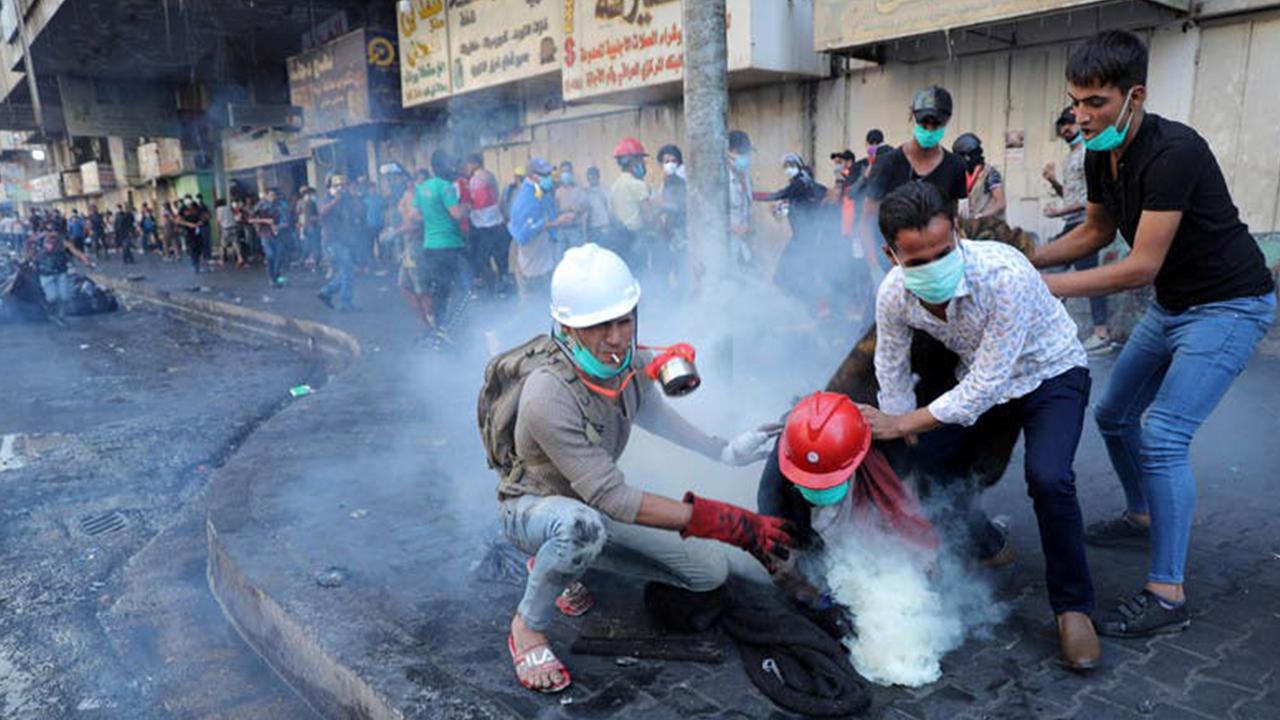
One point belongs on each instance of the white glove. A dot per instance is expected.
(751, 446)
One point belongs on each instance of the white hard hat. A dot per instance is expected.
(592, 285)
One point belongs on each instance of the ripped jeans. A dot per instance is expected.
(566, 536)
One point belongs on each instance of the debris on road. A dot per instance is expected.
(331, 577)
(357, 514)
(301, 390)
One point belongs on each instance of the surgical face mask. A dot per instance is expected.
(1076, 139)
(871, 150)
(638, 169)
(792, 171)
(589, 363)
(545, 182)
(566, 178)
(928, 138)
(935, 282)
(742, 162)
(1111, 138)
(821, 498)
(670, 167)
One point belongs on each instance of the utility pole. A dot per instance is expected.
(706, 109)
(706, 117)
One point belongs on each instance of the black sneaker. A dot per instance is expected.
(1117, 531)
(325, 299)
(1144, 615)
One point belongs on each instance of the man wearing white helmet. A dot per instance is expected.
(567, 503)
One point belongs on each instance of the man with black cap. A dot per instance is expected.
(920, 158)
(740, 195)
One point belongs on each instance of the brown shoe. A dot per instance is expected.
(1080, 648)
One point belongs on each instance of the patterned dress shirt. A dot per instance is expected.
(1010, 333)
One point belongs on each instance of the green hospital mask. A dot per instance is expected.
(590, 364)
(829, 496)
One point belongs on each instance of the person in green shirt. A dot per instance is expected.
(444, 260)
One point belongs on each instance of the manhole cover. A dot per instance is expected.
(107, 522)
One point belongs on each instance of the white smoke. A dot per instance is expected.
(910, 608)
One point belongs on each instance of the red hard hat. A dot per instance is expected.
(629, 146)
(824, 441)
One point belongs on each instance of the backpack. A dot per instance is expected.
(499, 400)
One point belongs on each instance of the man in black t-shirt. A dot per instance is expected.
(1158, 183)
(920, 158)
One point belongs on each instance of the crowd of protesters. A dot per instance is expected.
(454, 232)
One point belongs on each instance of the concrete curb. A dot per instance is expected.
(227, 317)
(328, 686)
(331, 688)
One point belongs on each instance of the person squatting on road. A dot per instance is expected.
(1159, 184)
(563, 498)
(1020, 362)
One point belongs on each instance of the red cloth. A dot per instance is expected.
(877, 486)
(464, 197)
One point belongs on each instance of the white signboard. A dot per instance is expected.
(424, 51)
(618, 45)
(149, 161)
(46, 187)
(496, 41)
(97, 177)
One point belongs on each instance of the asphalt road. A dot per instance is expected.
(108, 431)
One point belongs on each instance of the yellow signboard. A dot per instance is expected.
(492, 42)
(424, 51)
(848, 23)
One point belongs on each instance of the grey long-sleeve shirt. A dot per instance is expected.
(571, 450)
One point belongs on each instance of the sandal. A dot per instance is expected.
(535, 660)
(575, 600)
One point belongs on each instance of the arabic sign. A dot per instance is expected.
(497, 41)
(347, 82)
(846, 23)
(617, 45)
(170, 157)
(424, 51)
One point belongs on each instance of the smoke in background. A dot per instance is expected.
(910, 608)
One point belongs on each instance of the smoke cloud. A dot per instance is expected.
(910, 607)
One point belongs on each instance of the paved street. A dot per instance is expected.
(412, 619)
(111, 429)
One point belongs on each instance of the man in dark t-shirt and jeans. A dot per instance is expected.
(1158, 183)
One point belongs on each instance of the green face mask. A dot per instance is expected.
(928, 138)
(590, 364)
(830, 496)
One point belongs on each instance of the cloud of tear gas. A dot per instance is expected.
(910, 607)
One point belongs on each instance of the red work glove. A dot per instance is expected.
(763, 536)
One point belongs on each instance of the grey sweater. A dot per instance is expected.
(572, 450)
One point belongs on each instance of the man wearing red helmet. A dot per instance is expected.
(630, 200)
(1020, 364)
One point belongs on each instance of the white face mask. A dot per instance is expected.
(792, 171)
(670, 167)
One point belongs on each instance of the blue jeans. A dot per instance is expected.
(342, 263)
(566, 537)
(274, 249)
(1175, 368)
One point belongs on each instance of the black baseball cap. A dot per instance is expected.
(1067, 117)
(932, 102)
(843, 155)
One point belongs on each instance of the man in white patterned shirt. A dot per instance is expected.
(1020, 363)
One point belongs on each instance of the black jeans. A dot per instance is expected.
(1051, 418)
(489, 247)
